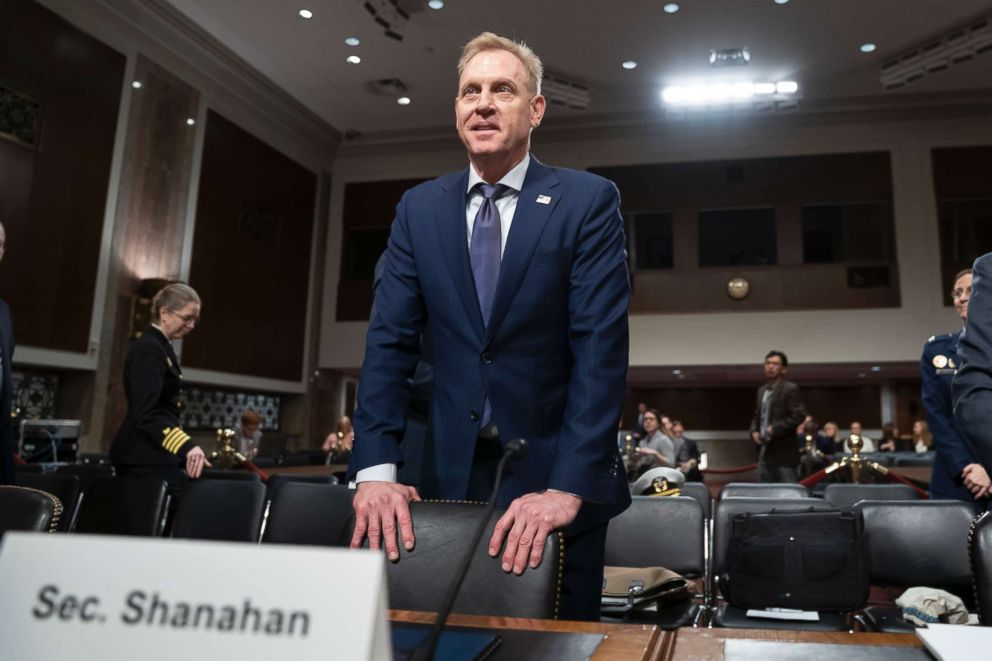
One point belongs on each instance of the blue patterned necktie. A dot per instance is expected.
(485, 248)
(485, 255)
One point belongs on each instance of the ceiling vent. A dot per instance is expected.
(559, 91)
(730, 57)
(388, 87)
(955, 47)
(392, 15)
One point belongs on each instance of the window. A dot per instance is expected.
(650, 240)
(837, 233)
(737, 237)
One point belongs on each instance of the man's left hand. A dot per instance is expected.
(529, 520)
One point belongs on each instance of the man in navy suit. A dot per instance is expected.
(972, 384)
(521, 271)
(6, 384)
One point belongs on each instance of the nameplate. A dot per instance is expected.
(92, 597)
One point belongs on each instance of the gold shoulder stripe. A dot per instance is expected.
(174, 439)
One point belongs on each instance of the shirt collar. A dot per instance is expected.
(513, 179)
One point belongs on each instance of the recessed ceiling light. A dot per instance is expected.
(305, 13)
(781, 2)
(676, 372)
(629, 64)
(352, 41)
(353, 59)
(436, 4)
(876, 368)
(787, 87)
(403, 100)
(136, 84)
(190, 121)
(867, 48)
(670, 8)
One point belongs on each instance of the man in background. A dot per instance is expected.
(778, 412)
(6, 383)
(686, 453)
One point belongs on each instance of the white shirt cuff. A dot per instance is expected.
(377, 473)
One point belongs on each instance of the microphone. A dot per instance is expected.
(515, 449)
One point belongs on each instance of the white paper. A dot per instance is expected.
(784, 614)
(951, 642)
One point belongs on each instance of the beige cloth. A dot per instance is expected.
(923, 606)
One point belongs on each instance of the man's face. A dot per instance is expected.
(642, 407)
(961, 293)
(678, 430)
(856, 429)
(650, 423)
(494, 110)
(773, 367)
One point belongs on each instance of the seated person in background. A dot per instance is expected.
(338, 443)
(922, 439)
(829, 435)
(686, 453)
(249, 434)
(890, 439)
(656, 449)
(867, 445)
(821, 445)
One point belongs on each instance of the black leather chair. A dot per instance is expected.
(220, 510)
(729, 616)
(87, 473)
(27, 509)
(230, 474)
(63, 487)
(421, 577)
(843, 496)
(980, 548)
(276, 481)
(308, 513)
(658, 531)
(701, 494)
(924, 460)
(763, 490)
(123, 506)
(910, 543)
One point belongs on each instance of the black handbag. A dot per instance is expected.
(805, 559)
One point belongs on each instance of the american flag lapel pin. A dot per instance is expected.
(544, 199)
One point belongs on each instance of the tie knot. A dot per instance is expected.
(493, 191)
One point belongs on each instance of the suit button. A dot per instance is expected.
(473, 415)
(487, 358)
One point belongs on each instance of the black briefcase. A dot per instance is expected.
(806, 559)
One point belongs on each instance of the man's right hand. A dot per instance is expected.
(379, 506)
(756, 437)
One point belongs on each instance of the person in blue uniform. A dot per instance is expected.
(151, 441)
(955, 456)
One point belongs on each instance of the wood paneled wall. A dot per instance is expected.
(53, 196)
(251, 256)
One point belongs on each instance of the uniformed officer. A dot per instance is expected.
(151, 441)
(955, 455)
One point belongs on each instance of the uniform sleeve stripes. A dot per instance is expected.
(174, 437)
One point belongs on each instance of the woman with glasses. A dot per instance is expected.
(955, 457)
(151, 441)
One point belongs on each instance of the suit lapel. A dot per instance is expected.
(529, 220)
(452, 238)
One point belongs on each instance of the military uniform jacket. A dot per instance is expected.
(151, 433)
(953, 450)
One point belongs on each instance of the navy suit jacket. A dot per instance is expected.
(552, 360)
(6, 396)
(973, 382)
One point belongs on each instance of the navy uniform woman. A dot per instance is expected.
(151, 441)
(955, 455)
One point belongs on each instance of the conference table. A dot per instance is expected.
(649, 643)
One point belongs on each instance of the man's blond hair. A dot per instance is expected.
(491, 41)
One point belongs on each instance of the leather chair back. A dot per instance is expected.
(763, 490)
(123, 506)
(308, 513)
(980, 546)
(220, 510)
(230, 474)
(843, 496)
(279, 479)
(659, 531)
(27, 509)
(63, 487)
(701, 494)
(922, 542)
(87, 473)
(421, 577)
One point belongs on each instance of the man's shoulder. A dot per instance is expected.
(789, 385)
(580, 178)
(937, 342)
(983, 263)
(444, 183)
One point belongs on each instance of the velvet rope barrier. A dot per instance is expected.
(250, 466)
(725, 471)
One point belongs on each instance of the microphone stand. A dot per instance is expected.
(515, 449)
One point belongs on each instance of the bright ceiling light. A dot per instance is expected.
(787, 87)
(724, 93)
(764, 88)
(867, 48)
(190, 121)
(670, 8)
(436, 4)
(352, 41)
(629, 64)
(305, 13)
(876, 368)
(403, 100)
(781, 2)
(676, 372)
(353, 59)
(136, 84)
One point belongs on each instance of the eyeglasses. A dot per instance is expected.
(187, 319)
(958, 293)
